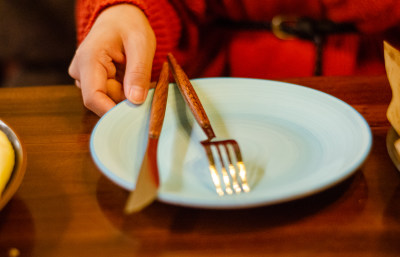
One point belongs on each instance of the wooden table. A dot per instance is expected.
(66, 207)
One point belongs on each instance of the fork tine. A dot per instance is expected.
(225, 176)
(213, 170)
(223, 168)
(232, 170)
(242, 168)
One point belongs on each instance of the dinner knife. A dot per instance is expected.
(147, 182)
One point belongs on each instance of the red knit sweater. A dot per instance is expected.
(186, 28)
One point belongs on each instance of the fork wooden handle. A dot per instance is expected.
(159, 103)
(190, 96)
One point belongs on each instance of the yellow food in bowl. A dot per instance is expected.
(7, 160)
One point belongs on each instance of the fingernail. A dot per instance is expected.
(137, 94)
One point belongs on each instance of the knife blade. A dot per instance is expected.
(147, 182)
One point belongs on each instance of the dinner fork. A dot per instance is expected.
(224, 156)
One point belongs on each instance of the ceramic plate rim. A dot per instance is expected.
(183, 201)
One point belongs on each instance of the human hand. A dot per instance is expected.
(114, 61)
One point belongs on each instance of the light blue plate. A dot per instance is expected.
(295, 141)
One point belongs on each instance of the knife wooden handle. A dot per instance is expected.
(190, 96)
(159, 103)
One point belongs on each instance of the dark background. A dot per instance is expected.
(37, 42)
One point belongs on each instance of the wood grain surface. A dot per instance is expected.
(159, 103)
(190, 96)
(66, 207)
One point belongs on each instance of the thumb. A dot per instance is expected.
(138, 73)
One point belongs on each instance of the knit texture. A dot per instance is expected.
(186, 28)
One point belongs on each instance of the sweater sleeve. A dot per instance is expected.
(369, 16)
(162, 18)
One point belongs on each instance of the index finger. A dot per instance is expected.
(93, 80)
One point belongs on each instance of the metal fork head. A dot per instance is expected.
(226, 166)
